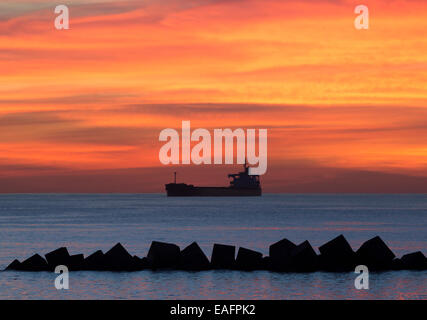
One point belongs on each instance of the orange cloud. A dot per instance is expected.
(96, 96)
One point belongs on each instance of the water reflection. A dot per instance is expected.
(213, 285)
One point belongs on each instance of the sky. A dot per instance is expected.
(81, 109)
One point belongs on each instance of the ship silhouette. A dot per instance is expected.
(241, 185)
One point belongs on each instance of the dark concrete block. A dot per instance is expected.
(280, 253)
(303, 258)
(396, 264)
(76, 262)
(163, 255)
(15, 265)
(57, 257)
(223, 256)
(266, 263)
(249, 260)
(337, 255)
(118, 259)
(34, 263)
(141, 263)
(193, 258)
(375, 254)
(95, 261)
(414, 261)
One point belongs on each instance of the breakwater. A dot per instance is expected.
(284, 256)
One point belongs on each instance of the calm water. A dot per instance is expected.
(84, 223)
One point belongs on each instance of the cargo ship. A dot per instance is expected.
(241, 185)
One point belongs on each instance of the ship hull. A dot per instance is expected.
(182, 190)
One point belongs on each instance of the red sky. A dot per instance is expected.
(81, 109)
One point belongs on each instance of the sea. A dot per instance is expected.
(84, 223)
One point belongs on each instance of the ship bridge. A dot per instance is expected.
(244, 180)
